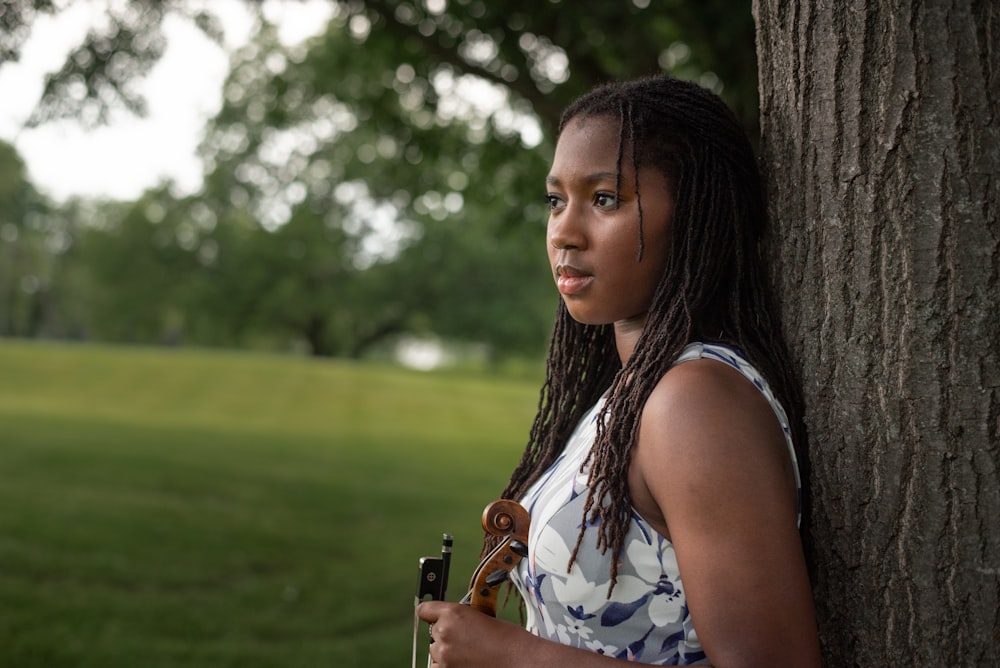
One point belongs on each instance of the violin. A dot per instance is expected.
(504, 518)
(510, 520)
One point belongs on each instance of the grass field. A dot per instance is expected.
(188, 508)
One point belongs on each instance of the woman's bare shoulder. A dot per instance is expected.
(713, 460)
(706, 425)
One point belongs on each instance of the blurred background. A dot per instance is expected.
(274, 304)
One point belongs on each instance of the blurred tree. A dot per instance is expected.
(27, 250)
(384, 177)
(544, 53)
(417, 138)
(425, 257)
(141, 267)
(100, 73)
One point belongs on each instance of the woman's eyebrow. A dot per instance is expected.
(596, 177)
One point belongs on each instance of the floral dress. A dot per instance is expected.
(646, 619)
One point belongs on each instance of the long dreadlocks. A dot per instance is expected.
(713, 289)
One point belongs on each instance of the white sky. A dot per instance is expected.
(183, 91)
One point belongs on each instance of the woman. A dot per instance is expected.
(661, 473)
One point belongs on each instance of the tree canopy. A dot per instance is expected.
(384, 177)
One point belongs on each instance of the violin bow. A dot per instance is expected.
(433, 583)
(504, 518)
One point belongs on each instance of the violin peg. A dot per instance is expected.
(519, 548)
(496, 578)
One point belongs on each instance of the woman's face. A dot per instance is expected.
(593, 233)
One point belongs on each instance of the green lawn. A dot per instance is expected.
(190, 508)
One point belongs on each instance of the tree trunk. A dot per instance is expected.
(881, 146)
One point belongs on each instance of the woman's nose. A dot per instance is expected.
(565, 230)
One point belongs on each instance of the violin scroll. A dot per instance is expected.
(505, 518)
(509, 520)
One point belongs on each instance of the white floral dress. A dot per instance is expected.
(646, 620)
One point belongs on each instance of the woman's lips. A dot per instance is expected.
(571, 285)
(570, 280)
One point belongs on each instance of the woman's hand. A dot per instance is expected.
(466, 638)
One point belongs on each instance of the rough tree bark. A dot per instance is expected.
(881, 145)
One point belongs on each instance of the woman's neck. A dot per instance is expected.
(627, 334)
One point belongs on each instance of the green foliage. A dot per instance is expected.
(167, 508)
(544, 53)
(138, 270)
(98, 75)
(382, 179)
(29, 244)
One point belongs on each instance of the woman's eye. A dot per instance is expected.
(554, 201)
(605, 200)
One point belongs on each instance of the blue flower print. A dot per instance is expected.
(578, 613)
